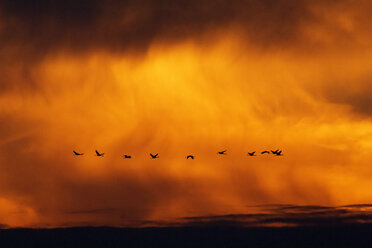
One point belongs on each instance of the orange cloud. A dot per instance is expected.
(216, 89)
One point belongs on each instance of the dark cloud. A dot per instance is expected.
(37, 167)
(360, 102)
(39, 27)
(354, 92)
(289, 215)
(29, 31)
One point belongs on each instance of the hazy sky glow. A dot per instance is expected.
(178, 78)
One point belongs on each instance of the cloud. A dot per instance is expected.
(122, 25)
(290, 215)
(176, 78)
(30, 32)
(351, 92)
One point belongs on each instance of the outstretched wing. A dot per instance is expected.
(98, 153)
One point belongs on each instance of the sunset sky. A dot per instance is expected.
(177, 78)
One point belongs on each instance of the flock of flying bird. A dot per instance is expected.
(153, 156)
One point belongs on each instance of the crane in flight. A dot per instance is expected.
(127, 156)
(279, 153)
(78, 154)
(99, 154)
(190, 156)
(251, 153)
(154, 156)
(265, 152)
(222, 152)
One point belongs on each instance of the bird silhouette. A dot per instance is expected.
(279, 153)
(265, 152)
(251, 153)
(274, 152)
(154, 156)
(222, 152)
(127, 156)
(99, 154)
(78, 154)
(190, 156)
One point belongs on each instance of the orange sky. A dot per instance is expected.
(175, 79)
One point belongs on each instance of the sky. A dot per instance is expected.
(178, 78)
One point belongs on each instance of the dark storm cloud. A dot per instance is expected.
(289, 215)
(360, 102)
(31, 30)
(38, 27)
(310, 215)
(42, 25)
(354, 92)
